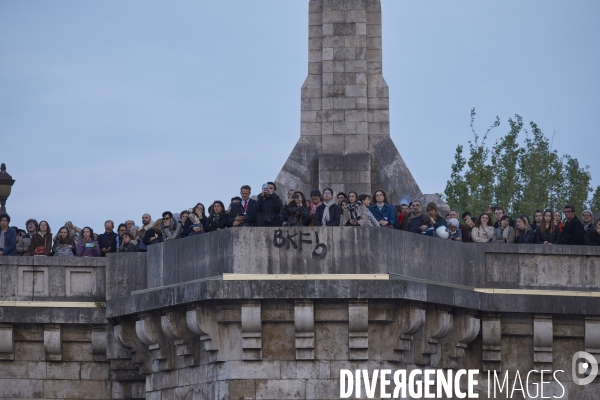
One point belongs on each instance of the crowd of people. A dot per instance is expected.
(320, 209)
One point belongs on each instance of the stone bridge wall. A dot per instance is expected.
(53, 340)
(187, 320)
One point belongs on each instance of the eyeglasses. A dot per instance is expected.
(166, 218)
(567, 211)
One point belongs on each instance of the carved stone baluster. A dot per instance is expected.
(99, 342)
(187, 345)
(7, 342)
(149, 331)
(542, 342)
(491, 340)
(411, 319)
(53, 342)
(304, 324)
(358, 330)
(438, 325)
(465, 329)
(251, 330)
(592, 336)
(202, 321)
(125, 335)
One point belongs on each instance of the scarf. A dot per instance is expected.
(313, 207)
(505, 233)
(325, 218)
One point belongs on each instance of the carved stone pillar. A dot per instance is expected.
(99, 342)
(411, 319)
(464, 330)
(251, 330)
(542, 342)
(491, 340)
(174, 326)
(203, 322)
(149, 331)
(304, 324)
(126, 337)
(592, 336)
(438, 325)
(53, 342)
(358, 330)
(7, 342)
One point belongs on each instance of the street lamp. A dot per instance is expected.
(6, 182)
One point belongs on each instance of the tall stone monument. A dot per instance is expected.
(345, 139)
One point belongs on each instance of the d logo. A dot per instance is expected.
(580, 368)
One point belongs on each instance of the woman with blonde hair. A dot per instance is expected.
(154, 234)
(524, 233)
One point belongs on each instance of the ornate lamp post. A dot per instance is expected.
(6, 182)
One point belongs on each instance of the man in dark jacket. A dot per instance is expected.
(108, 240)
(538, 218)
(415, 218)
(268, 206)
(573, 232)
(587, 217)
(8, 237)
(244, 212)
(592, 235)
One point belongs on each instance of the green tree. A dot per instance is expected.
(520, 177)
(575, 187)
(472, 189)
(506, 160)
(540, 173)
(595, 202)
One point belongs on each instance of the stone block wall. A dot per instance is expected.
(298, 347)
(58, 361)
(345, 128)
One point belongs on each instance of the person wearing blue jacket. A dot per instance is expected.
(8, 237)
(382, 211)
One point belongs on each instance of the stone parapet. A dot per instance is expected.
(453, 271)
(36, 278)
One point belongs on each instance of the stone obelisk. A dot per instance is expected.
(345, 139)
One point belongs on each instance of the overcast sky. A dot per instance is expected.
(111, 109)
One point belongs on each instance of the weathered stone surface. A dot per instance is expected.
(345, 73)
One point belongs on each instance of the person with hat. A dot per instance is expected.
(586, 218)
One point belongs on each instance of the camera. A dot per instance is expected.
(89, 245)
(295, 196)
